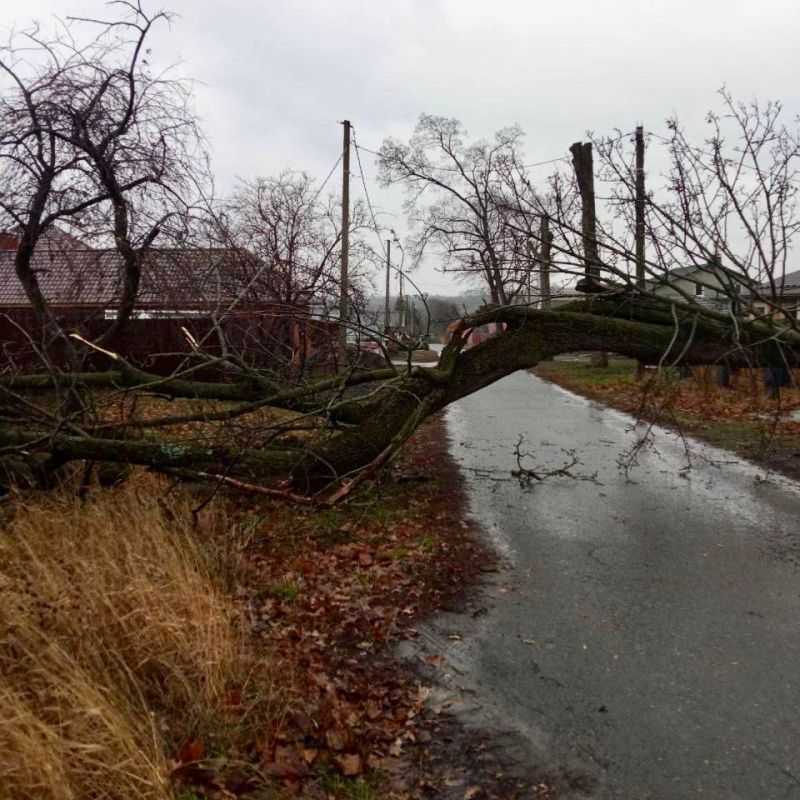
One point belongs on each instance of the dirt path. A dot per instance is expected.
(334, 592)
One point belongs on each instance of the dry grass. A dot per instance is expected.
(117, 643)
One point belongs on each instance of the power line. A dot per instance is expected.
(322, 185)
(532, 164)
(399, 270)
(366, 193)
(549, 161)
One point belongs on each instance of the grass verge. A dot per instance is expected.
(120, 650)
(147, 651)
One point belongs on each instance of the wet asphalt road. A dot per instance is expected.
(646, 633)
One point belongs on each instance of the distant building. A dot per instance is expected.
(784, 293)
(710, 285)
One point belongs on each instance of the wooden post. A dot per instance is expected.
(639, 202)
(387, 325)
(590, 283)
(401, 307)
(530, 292)
(545, 241)
(343, 281)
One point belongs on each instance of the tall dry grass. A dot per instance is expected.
(117, 641)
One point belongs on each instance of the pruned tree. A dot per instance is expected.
(727, 203)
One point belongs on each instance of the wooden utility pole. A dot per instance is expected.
(343, 281)
(639, 202)
(590, 283)
(584, 173)
(639, 229)
(387, 325)
(401, 307)
(545, 240)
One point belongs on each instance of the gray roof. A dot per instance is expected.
(788, 282)
(685, 272)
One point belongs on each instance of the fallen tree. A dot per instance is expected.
(98, 151)
(335, 433)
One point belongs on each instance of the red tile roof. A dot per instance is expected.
(171, 278)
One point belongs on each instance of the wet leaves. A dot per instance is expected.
(191, 752)
(330, 593)
(350, 765)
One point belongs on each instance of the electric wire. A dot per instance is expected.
(398, 270)
(524, 166)
(366, 193)
(328, 177)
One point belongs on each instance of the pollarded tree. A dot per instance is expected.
(723, 209)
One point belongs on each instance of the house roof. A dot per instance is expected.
(788, 282)
(685, 272)
(711, 266)
(171, 278)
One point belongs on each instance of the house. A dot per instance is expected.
(785, 294)
(710, 285)
(215, 293)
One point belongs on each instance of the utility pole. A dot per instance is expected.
(401, 307)
(639, 201)
(530, 293)
(386, 310)
(343, 281)
(545, 240)
(639, 229)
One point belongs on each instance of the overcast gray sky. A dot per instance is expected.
(276, 77)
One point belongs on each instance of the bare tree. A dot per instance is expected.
(458, 201)
(92, 140)
(286, 224)
(726, 206)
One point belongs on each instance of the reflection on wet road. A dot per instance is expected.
(647, 632)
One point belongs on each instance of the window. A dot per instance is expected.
(159, 313)
(699, 290)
